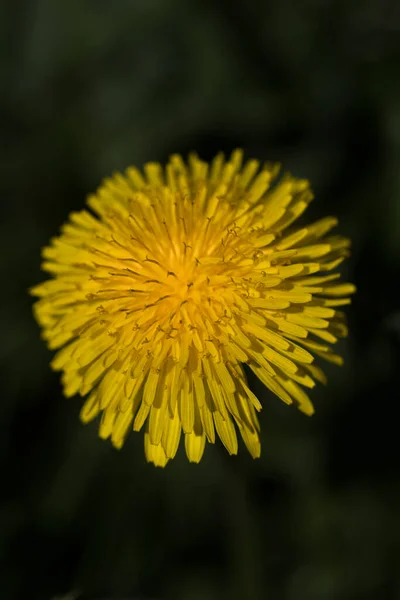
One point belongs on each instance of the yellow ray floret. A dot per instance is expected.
(172, 281)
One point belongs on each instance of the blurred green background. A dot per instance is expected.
(87, 88)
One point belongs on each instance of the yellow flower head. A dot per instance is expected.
(184, 275)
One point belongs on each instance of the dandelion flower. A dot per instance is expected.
(177, 278)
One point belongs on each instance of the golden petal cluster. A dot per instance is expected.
(175, 278)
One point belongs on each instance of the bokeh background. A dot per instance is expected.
(89, 87)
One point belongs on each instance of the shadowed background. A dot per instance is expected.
(87, 88)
